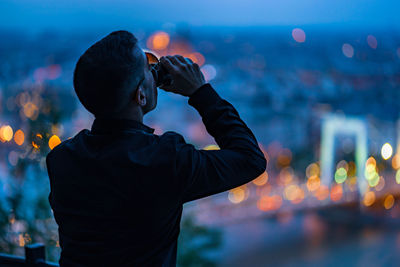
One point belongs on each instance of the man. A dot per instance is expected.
(117, 190)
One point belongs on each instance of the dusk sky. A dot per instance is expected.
(33, 15)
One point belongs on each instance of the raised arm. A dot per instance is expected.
(205, 172)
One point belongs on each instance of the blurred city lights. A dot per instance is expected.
(211, 147)
(19, 137)
(372, 42)
(348, 50)
(267, 203)
(322, 192)
(209, 72)
(197, 58)
(261, 180)
(238, 194)
(369, 198)
(371, 173)
(54, 141)
(286, 175)
(284, 157)
(158, 41)
(396, 161)
(386, 151)
(37, 140)
(51, 72)
(381, 184)
(336, 192)
(389, 201)
(13, 158)
(31, 110)
(6, 133)
(299, 35)
(340, 175)
(313, 183)
(398, 176)
(312, 170)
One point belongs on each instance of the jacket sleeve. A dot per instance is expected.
(202, 173)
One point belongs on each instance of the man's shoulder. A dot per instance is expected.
(171, 137)
(60, 148)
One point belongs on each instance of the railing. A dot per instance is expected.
(35, 256)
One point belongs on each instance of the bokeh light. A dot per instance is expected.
(386, 151)
(238, 194)
(261, 180)
(369, 198)
(19, 137)
(340, 175)
(396, 161)
(211, 147)
(372, 42)
(348, 50)
(299, 35)
(336, 192)
(313, 183)
(312, 170)
(398, 177)
(268, 203)
(54, 141)
(209, 72)
(322, 192)
(6, 133)
(197, 58)
(158, 41)
(388, 202)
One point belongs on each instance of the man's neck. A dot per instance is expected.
(135, 115)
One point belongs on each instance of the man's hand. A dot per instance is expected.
(186, 75)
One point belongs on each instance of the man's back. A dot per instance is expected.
(117, 191)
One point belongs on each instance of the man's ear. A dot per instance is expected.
(140, 96)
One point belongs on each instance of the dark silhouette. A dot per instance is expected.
(117, 190)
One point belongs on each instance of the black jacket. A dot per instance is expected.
(117, 190)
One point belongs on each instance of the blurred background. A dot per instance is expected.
(318, 82)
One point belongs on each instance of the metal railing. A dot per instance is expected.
(35, 256)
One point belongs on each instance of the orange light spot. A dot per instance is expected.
(284, 157)
(31, 110)
(54, 141)
(21, 240)
(267, 203)
(389, 202)
(369, 198)
(313, 183)
(286, 175)
(336, 192)
(19, 137)
(35, 145)
(261, 180)
(396, 161)
(312, 169)
(6, 133)
(211, 147)
(371, 161)
(322, 192)
(238, 194)
(158, 41)
(197, 58)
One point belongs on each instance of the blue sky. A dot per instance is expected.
(32, 15)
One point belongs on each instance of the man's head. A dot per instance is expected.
(113, 77)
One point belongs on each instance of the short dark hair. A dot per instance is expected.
(106, 72)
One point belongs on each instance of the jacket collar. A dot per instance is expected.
(108, 125)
